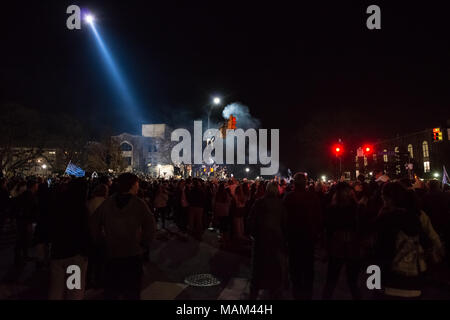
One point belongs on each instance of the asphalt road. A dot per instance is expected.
(173, 259)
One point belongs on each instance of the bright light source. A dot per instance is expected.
(44, 166)
(89, 18)
(371, 173)
(216, 100)
(436, 175)
(324, 178)
(159, 166)
(247, 169)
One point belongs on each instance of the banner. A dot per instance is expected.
(73, 170)
(445, 178)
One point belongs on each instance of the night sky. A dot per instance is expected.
(313, 71)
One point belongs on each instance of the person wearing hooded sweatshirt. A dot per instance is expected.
(126, 226)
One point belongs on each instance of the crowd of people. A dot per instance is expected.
(106, 225)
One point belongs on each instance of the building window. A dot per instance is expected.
(410, 151)
(125, 146)
(426, 166)
(426, 153)
(52, 152)
(152, 148)
(128, 161)
(396, 150)
(385, 156)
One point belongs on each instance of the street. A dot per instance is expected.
(173, 259)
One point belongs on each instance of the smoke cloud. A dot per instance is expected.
(244, 119)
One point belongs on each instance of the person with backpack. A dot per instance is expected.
(400, 244)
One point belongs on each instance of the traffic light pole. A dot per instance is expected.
(340, 167)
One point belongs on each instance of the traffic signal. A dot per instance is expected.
(338, 150)
(437, 134)
(232, 122)
(368, 150)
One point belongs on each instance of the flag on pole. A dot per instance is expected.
(73, 170)
(445, 178)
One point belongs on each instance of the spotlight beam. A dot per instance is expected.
(115, 73)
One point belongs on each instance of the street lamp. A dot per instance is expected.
(324, 178)
(216, 101)
(436, 175)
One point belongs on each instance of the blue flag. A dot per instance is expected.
(73, 170)
(445, 178)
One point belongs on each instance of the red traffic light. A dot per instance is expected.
(367, 149)
(338, 149)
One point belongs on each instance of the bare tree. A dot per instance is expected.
(21, 138)
(103, 156)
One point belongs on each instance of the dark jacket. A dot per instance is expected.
(68, 230)
(266, 222)
(342, 225)
(196, 197)
(304, 217)
(125, 224)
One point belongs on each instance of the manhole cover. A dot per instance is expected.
(202, 280)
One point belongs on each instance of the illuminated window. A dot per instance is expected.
(426, 166)
(125, 146)
(426, 153)
(410, 150)
(396, 149)
(385, 156)
(51, 152)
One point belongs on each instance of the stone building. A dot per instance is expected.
(149, 152)
(423, 153)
